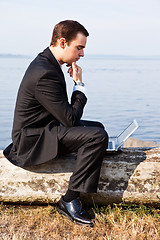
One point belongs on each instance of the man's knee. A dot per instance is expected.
(100, 125)
(101, 135)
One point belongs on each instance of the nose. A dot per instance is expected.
(82, 52)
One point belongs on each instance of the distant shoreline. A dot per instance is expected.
(14, 56)
(91, 56)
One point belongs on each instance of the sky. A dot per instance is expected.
(116, 27)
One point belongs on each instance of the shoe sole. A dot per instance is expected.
(61, 212)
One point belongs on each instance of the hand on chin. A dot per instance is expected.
(69, 64)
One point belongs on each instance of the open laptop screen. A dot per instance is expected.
(127, 132)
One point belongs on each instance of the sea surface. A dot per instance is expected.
(119, 89)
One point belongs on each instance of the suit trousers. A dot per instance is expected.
(89, 140)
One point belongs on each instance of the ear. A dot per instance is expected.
(62, 42)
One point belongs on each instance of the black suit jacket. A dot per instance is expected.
(42, 105)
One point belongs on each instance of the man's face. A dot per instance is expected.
(74, 50)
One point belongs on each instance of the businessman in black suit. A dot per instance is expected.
(46, 124)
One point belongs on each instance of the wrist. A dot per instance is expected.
(80, 84)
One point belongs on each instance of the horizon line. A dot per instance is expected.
(10, 55)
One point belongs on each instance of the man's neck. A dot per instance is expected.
(55, 52)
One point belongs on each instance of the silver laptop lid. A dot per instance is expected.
(127, 132)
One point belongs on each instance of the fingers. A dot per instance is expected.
(75, 72)
(75, 67)
(70, 71)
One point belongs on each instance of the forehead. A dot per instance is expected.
(80, 39)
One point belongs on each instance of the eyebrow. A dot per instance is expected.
(81, 46)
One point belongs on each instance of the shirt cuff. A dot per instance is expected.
(80, 88)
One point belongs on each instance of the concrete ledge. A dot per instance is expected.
(132, 175)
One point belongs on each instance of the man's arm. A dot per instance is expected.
(76, 73)
(52, 96)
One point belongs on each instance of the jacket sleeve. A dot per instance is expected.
(51, 93)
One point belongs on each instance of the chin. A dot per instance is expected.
(70, 63)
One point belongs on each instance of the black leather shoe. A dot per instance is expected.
(75, 212)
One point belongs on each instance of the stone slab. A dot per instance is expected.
(132, 175)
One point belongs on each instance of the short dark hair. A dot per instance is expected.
(67, 29)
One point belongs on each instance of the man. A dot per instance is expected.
(46, 124)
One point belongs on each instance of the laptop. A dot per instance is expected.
(115, 143)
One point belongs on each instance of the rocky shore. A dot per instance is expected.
(132, 175)
(133, 142)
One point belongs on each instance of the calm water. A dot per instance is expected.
(119, 90)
